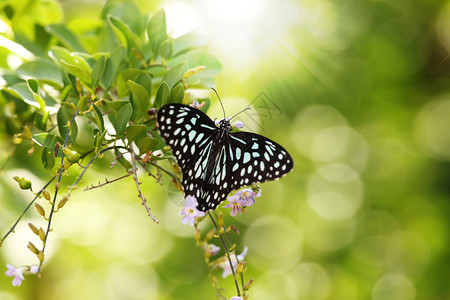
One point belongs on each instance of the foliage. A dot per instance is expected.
(72, 101)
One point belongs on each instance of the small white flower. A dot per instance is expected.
(17, 273)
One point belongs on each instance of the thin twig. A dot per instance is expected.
(228, 254)
(57, 186)
(106, 182)
(89, 163)
(134, 170)
(26, 209)
(237, 259)
(166, 171)
(158, 180)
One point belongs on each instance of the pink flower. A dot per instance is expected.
(17, 273)
(190, 211)
(236, 298)
(34, 269)
(242, 199)
(225, 264)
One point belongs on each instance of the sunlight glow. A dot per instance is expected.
(240, 33)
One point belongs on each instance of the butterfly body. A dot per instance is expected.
(213, 160)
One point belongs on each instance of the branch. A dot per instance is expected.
(134, 170)
(106, 182)
(26, 209)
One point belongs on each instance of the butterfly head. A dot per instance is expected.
(223, 124)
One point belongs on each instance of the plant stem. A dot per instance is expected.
(228, 254)
(26, 209)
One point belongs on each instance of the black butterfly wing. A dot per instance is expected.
(243, 158)
(255, 159)
(191, 134)
(187, 131)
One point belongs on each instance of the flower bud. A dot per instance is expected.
(32, 248)
(33, 228)
(40, 209)
(46, 195)
(177, 184)
(210, 234)
(193, 71)
(63, 202)
(240, 267)
(176, 169)
(72, 156)
(41, 234)
(24, 183)
(41, 256)
(248, 284)
(198, 235)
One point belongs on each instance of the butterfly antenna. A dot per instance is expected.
(240, 112)
(223, 109)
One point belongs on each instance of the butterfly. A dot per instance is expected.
(213, 160)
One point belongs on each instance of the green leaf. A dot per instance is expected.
(140, 101)
(177, 93)
(47, 158)
(99, 118)
(175, 74)
(145, 79)
(111, 66)
(123, 33)
(166, 48)
(47, 140)
(122, 81)
(146, 144)
(189, 41)
(40, 120)
(78, 72)
(99, 139)
(162, 95)
(82, 103)
(22, 91)
(116, 104)
(121, 119)
(63, 117)
(125, 163)
(135, 132)
(34, 89)
(42, 70)
(97, 71)
(66, 37)
(156, 30)
(200, 58)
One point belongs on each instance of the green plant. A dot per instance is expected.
(79, 94)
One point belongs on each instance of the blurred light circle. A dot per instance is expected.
(394, 286)
(313, 282)
(322, 134)
(275, 285)
(443, 26)
(329, 236)
(338, 173)
(310, 122)
(333, 200)
(274, 242)
(431, 129)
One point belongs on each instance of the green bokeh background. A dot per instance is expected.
(359, 94)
